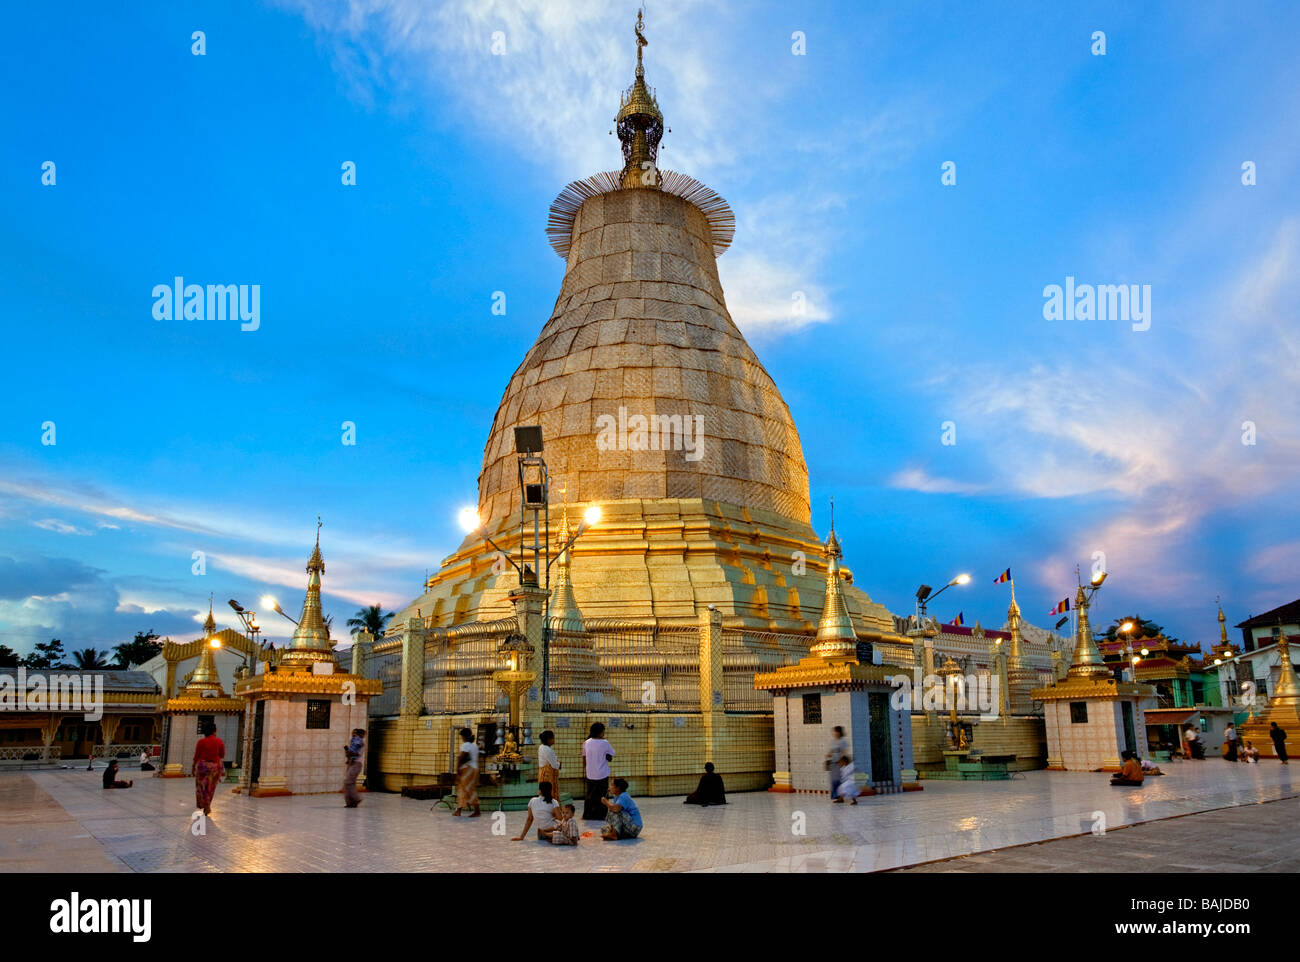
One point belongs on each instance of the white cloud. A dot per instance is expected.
(1160, 433)
(553, 94)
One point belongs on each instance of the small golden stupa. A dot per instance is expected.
(1090, 715)
(1283, 706)
(200, 699)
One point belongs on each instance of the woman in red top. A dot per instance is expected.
(208, 755)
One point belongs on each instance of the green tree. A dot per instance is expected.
(137, 651)
(8, 657)
(1143, 628)
(48, 654)
(371, 619)
(89, 658)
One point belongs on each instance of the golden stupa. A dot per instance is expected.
(653, 407)
(1283, 706)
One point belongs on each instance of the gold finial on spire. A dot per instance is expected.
(1087, 661)
(641, 42)
(311, 639)
(640, 124)
(209, 623)
(836, 637)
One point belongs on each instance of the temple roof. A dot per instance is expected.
(1289, 614)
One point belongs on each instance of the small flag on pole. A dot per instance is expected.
(1061, 608)
(1004, 577)
(959, 620)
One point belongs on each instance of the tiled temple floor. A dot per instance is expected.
(147, 828)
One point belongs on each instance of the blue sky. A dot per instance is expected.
(924, 300)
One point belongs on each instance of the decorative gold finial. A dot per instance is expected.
(640, 124)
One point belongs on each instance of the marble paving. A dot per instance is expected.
(63, 821)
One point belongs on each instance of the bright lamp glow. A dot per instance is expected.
(469, 519)
(592, 514)
(1136, 659)
(1098, 578)
(961, 579)
(1127, 626)
(269, 602)
(1145, 652)
(214, 642)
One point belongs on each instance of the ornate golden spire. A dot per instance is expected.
(1223, 628)
(205, 677)
(1287, 688)
(1014, 659)
(640, 125)
(311, 639)
(836, 638)
(1087, 662)
(565, 613)
(210, 623)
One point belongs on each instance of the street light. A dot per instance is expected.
(270, 602)
(924, 597)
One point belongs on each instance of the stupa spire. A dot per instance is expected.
(565, 613)
(1223, 628)
(1287, 688)
(1087, 661)
(836, 638)
(640, 124)
(209, 623)
(311, 639)
(205, 677)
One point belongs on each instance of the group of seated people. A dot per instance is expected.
(558, 823)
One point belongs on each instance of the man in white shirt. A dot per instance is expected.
(596, 756)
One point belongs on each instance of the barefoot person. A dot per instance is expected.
(467, 775)
(710, 791)
(566, 827)
(1130, 773)
(548, 763)
(110, 777)
(624, 818)
(542, 809)
(596, 756)
(352, 752)
(208, 767)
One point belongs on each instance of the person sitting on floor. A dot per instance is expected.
(110, 777)
(710, 791)
(1150, 768)
(144, 762)
(542, 808)
(848, 787)
(1130, 773)
(624, 818)
(566, 827)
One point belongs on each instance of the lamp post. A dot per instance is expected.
(470, 522)
(924, 597)
(249, 618)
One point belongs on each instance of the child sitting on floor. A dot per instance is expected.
(566, 828)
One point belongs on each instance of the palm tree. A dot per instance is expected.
(89, 658)
(371, 619)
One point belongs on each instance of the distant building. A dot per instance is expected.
(1258, 661)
